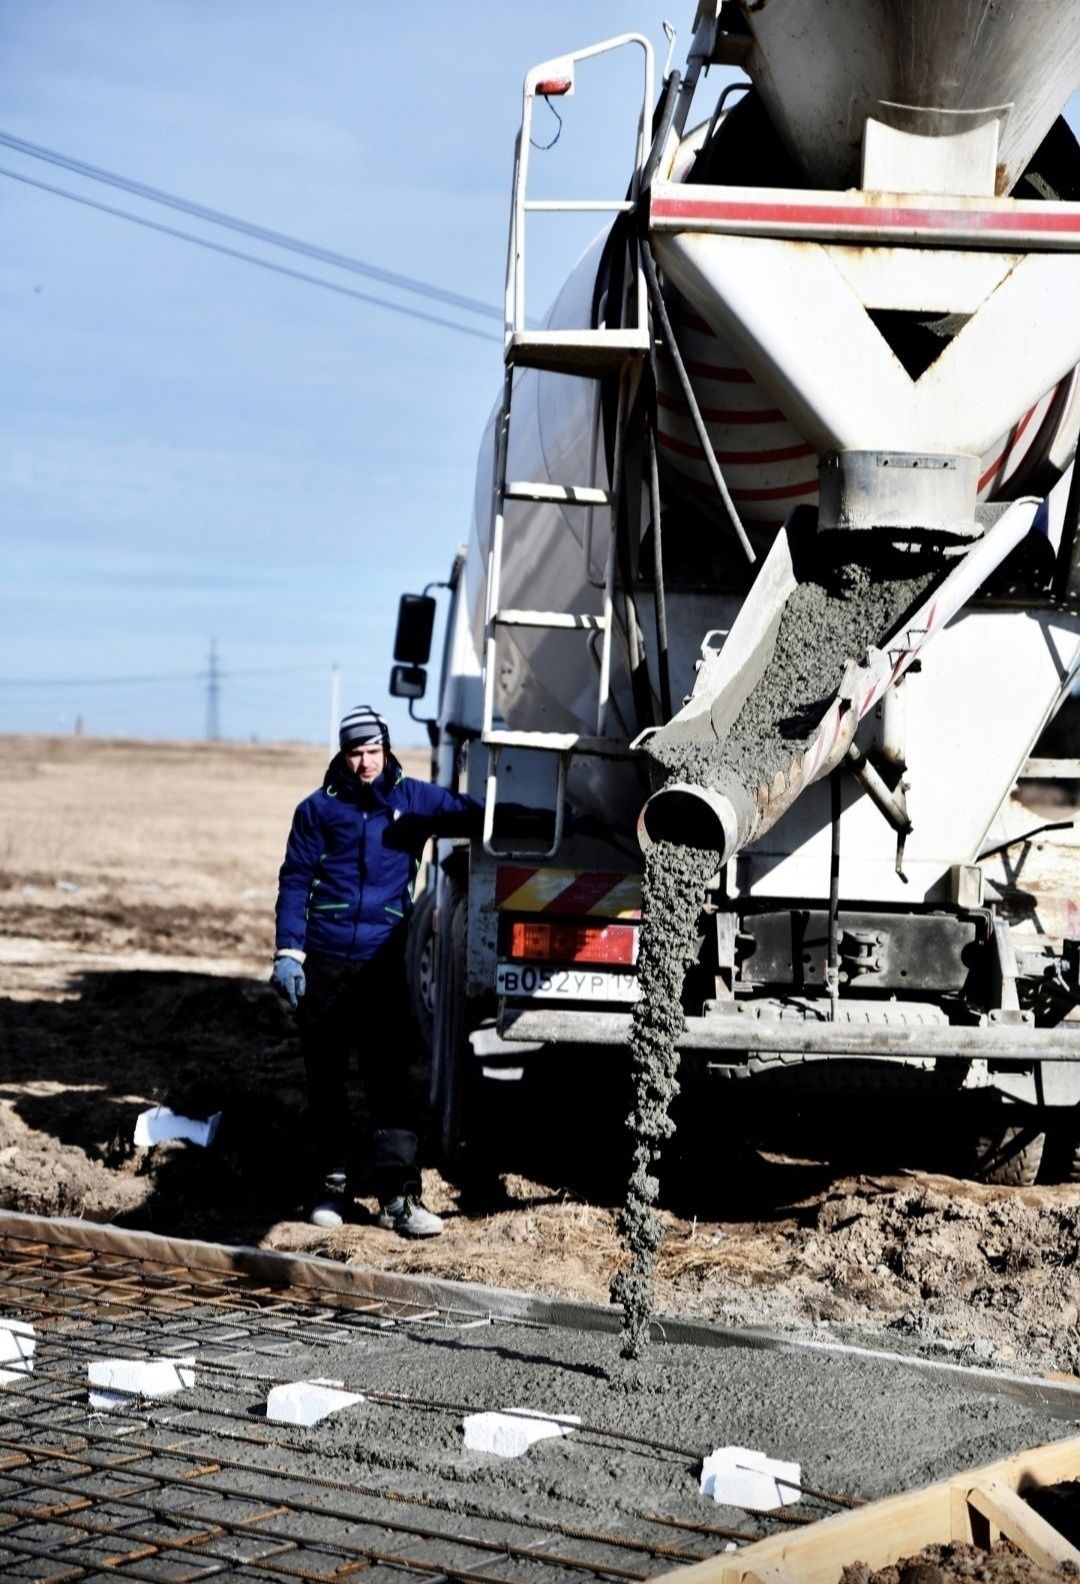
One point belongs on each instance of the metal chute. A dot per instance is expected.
(718, 808)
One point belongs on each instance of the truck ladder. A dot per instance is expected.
(593, 353)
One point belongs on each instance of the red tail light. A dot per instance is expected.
(573, 943)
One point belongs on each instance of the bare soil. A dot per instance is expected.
(956, 1563)
(137, 884)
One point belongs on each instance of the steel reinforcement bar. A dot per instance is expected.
(174, 1491)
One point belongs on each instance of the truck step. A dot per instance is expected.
(585, 622)
(592, 353)
(559, 494)
(559, 742)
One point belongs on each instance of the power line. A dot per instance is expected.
(250, 258)
(169, 676)
(280, 239)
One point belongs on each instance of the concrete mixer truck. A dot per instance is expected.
(775, 555)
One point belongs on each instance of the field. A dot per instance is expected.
(136, 897)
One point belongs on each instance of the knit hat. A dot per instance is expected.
(363, 725)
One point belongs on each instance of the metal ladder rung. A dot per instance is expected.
(562, 742)
(575, 351)
(553, 619)
(559, 494)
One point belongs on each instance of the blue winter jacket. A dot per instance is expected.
(352, 856)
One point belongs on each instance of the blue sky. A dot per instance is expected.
(194, 448)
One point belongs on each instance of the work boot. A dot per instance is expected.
(409, 1218)
(332, 1206)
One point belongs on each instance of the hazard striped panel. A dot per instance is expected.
(521, 889)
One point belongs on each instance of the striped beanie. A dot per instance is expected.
(363, 725)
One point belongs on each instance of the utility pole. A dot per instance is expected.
(335, 707)
(213, 694)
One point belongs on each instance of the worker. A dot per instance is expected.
(343, 908)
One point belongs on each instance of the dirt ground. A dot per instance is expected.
(136, 897)
(956, 1563)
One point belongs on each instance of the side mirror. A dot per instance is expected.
(408, 681)
(415, 625)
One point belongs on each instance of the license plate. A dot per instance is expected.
(565, 984)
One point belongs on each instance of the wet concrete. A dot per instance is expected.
(389, 1479)
(842, 606)
(854, 1425)
(674, 887)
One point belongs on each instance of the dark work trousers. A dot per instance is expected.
(361, 1007)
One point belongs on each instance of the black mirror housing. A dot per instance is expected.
(415, 625)
(408, 681)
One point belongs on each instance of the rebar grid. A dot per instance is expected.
(151, 1494)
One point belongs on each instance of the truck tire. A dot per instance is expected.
(454, 1087)
(1061, 1162)
(1009, 1155)
(420, 964)
(467, 1111)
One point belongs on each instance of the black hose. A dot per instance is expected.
(665, 115)
(1066, 584)
(659, 596)
(834, 884)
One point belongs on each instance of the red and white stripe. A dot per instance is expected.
(767, 464)
(519, 889)
(1016, 454)
(867, 217)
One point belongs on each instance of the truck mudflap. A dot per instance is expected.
(741, 1037)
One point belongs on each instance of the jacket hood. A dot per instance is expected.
(340, 781)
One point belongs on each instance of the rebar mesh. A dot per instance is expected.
(201, 1483)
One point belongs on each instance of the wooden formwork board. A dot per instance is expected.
(975, 1507)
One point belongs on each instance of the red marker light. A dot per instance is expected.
(573, 943)
(554, 87)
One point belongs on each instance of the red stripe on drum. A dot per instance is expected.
(784, 492)
(684, 448)
(694, 321)
(727, 374)
(690, 448)
(728, 415)
(1053, 407)
(738, 458)
(1014, 436)
(716, 415)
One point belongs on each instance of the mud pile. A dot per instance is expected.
(958, 1563)
(953, 1262)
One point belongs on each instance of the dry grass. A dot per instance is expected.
(122, 831)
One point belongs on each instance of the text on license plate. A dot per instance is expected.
(565, 984)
